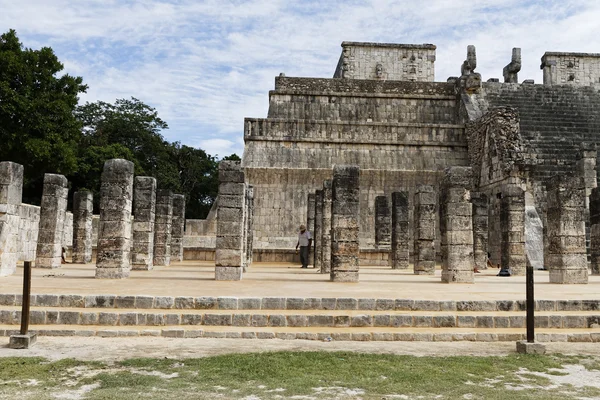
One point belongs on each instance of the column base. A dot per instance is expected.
(524, 347)
(22, 341)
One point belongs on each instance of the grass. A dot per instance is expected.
(280, 375)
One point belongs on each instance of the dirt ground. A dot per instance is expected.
(112, 349)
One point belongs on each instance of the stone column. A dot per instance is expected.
(310, 220)
(326, 225)
(229, 255)
(382, 222)
(344, 223)
(399, 255)
(480, 229)
(512, 227)
(178, 227)
(162, 227)
(114, 227)
(249, 224)
(318, 234)
(83, 210)
(11, 194)
(567, 258)
(144, 216)
(456, 225)
(52, 221)
(595, 230)
(424, 230)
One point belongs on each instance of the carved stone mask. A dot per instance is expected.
(379, 70)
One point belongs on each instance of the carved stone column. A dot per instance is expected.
(230, 256)
(177, 227)
(595, 230)
(512, 226)
(456, 225)
(318, 234)
(344, 224)
(249, 224)
(144, 211)
(567, 258)
(114, 228)
(326, 225)
(480, 229)
(162, 227)
(52, 221)
(424, 226)
(399, 255)
(83, 211)
(382, 221)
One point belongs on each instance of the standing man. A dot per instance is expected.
(304, 241)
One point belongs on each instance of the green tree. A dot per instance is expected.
(37, 126)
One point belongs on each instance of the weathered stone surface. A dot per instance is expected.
(456, 217)
(594, 205)
(567, 259)
(162, 227)
(230, 254)
(399, 255)
(144, 211)
(11, 193)
(382, 222)
(480, 229)
(512, 225)
(83, 210)
(52, 220)
(116, 198)
(523, 347)
(326, 227)
(424, 230)
(344, 220)
(318, 231)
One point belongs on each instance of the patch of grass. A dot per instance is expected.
(235, 376)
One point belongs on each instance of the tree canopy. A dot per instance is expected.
(43, 127)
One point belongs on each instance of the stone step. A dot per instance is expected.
(302, 318)
(109, 301)
(324, 334)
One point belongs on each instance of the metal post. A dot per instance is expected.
(25, 302)
(530, 305)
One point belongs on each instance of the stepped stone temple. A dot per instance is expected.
(383, 113)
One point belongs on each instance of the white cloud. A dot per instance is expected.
(205, 65)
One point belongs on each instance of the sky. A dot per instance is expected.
(206, 64)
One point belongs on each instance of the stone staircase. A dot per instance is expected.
(555, 121)
(301, 318)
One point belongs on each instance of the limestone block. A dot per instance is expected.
(116, 195)
(163, 227)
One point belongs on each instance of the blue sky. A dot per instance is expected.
(205, 65)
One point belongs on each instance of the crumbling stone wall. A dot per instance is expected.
(581, 69)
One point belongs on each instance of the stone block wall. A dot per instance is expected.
(567, 258)
(178, 227)
(386, 61)
(83, 209)
(399, 254)
(162, 227)
(52, 222)
(578, 69)
(344, 223)
(456, 225)
(144, 211)
(114, 229)
(229, 254)
(11, 194)
(424, 230)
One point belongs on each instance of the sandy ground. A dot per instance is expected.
(112, 349)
